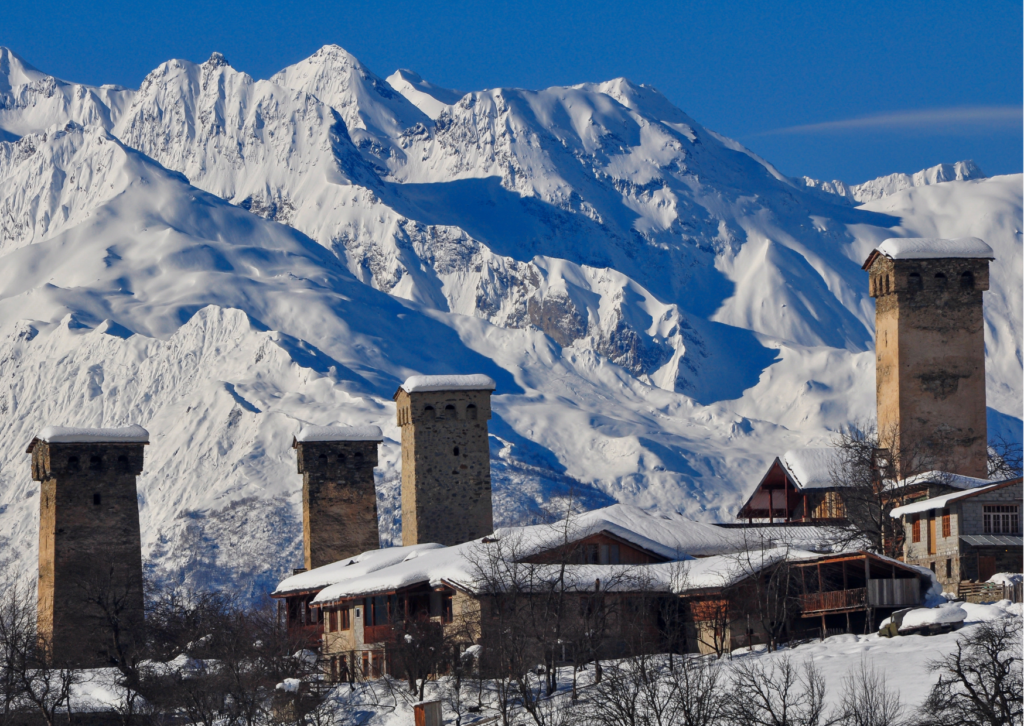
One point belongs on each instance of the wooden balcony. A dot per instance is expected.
(835, 601)
(377, 633)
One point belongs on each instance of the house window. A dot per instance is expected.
(945, 523)
(332, 621)
(97, 499)
(1002, 519)
(915, 529)
(366, 664)
(344, 621)
(949, 569)
(446, 609)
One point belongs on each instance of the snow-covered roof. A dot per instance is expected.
(339, 433)
(669, 535)
(350, 568)
(724, 570)
(133, 434)
(472, 382)
(927, 248)
(957, 481)
(812, 468)
(941, 502)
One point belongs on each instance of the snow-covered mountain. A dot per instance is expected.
(885, 186)
(221, 258)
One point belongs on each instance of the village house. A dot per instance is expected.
(674, 584)
(799, 487)
(966, 535)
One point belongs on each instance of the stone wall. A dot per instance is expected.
(89, 547)
(930, 360)
(966, 518)
(339, 499)
(446, 466)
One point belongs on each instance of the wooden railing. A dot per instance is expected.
(835, 600)
(376, 633)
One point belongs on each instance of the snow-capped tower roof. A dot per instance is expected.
(339, 433)
(133, 434)
(471, 382)
(930, 248)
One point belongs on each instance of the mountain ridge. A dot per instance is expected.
(223, 259)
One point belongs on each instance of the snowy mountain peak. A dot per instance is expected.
(427, 97)
(374, 112)
(32, 101)
(15, 71)
(890, 184)
(216, 60)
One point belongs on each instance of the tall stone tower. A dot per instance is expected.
(339, 499)
(90, 552)
(446, 463)
(930, 350)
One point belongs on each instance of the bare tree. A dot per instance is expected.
(868, 701)
(980, 682)
(777, 693)
(871, 471)
(766, 590)
(1005, 459)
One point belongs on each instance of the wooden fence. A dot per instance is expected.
(990, 591)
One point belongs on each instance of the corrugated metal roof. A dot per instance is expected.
(996, 540)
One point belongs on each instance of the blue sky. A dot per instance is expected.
(831, 90)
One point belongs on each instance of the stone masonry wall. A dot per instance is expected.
(89, 546)
(966, 518)
(930, 359)
(339, 499)
(446, 466)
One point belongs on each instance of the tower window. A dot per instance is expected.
(429, 411)
(322, 458)
(449, 411)
(122, 463)
(886, 284)
(967, 280)
(940, 279)
(95, 463)
(96, 499)
(455, 451)
(73, 463)
(471, 412)
(914, 282)
(357, 458)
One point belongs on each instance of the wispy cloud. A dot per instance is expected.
(933, 119)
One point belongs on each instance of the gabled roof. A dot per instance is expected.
(941, 502)
(668, 535)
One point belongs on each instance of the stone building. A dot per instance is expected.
(930, 351)
(966, 535)
(90, 554)
(446, 463)
(339, 498)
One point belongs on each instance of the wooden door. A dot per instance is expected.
(986, 568)
(931, 535)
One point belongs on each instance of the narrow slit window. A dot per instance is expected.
(97, 499)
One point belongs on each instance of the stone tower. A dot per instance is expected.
(446, 463)
(339, 499)
(930, 350)
(90, 553)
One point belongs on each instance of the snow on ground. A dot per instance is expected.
(903, 662)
